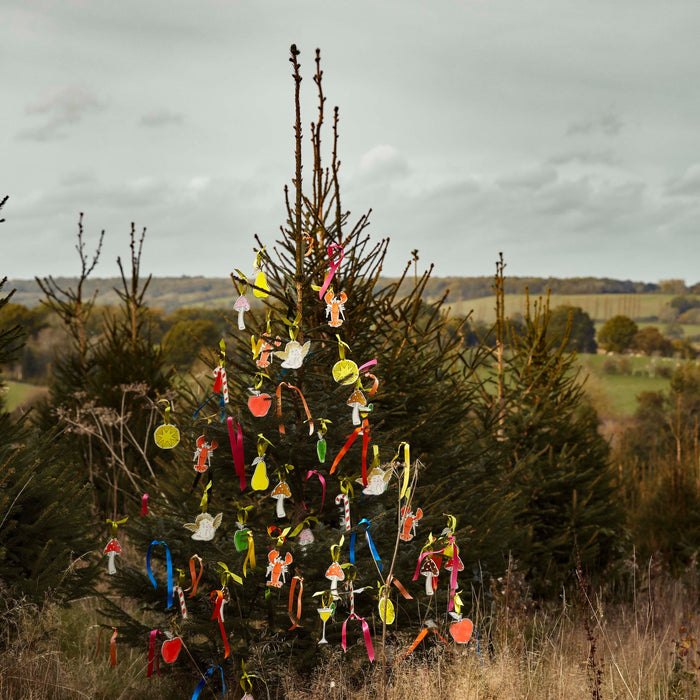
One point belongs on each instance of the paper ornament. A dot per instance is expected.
(277, 568)
(377, 481)
(242, 305)
(202, 455)
(279, 493)
(293, 354)
(325, 614)
(335, 308)
(264, 349)
(170, 648)
(112, 549)
(429, 569)
(204, 527)
(260, 481)
(259, 403)
(461, 631)
(345, 372)
(408, 523)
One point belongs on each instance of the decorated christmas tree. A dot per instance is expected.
(290, 517)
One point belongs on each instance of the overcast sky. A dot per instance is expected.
(561, 132)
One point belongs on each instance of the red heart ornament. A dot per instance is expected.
(462, 631)
(260, 404)
(171, 649)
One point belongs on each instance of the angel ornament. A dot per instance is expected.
(205, 526)
(293, 354)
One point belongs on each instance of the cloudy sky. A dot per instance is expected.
(561, 132)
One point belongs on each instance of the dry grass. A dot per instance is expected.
(644, 649)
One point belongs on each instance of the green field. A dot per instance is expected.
(599, 307)
(615, 394)
(20, 394)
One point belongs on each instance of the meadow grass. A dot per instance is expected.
(585, 647)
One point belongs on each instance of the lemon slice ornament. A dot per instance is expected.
(167, 435)
(344, 371)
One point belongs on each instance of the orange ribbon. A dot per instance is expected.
(112, 645)
(195, 579)
(419, 639)
(295, 618)
(303, 401)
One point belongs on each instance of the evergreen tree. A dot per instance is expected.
(295, 402)
(46, 531)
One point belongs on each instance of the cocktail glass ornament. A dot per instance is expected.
(335, 308)
(325, 612)
(166, 435)
(202, 454)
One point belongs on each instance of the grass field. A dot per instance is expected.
(599, 307)
(20, 394)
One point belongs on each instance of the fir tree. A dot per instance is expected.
(46, 530)
(326, 320)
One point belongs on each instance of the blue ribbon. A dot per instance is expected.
(169, 563)
(370, 542)
(203, 682)
(211, 398)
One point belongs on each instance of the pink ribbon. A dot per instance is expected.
(152, 654)
(309, 474)
(365, 631)
(453, 576)
(422, 556)
(333, 248)
(366, 365)
(144, 505)
(236, 440)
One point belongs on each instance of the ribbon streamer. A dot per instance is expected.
(370, 542)
(334, 249)
(112, 645)
(419, 639)
(321, 478)
(365, 631)
(144, 505)
(195, 579)
(218, 615)
(345, 448)
(250, 557)
(169, 564)
(236, 439)
(204, 680)
(295, 618)
(152, 654)
(303, 401)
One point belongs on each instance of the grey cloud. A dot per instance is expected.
(685, 185)
(383, 163)
(584, 157)
(532, 178)
(607, 124)
(162, 117)
(59, 110)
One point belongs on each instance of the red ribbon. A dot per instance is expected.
(217, 615)
(144, 505)
(365, 630)
(310, 473)
(303, 401)
(365, 444)
(236, 439)
(333, 248)
(152, 654)
(295, 618)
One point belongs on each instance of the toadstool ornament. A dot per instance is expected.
(306, 537)
(293, 354)
(279, 493)
(357, 402)
(111, 550)
(448, 564)
(242, 305)
(204, 526)
(429, 569)
(335, 573)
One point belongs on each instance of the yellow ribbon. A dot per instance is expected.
(346, 487)
(304, 523)
(335, 549)
(115, 524)
(250, 557)
(227, 574)
(204, 503)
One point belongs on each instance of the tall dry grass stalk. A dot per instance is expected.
(645, 648)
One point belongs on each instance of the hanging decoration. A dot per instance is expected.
(166, 435)
(325, 612)
(408, 523)
(113, 548)
(241, 304)
(294, 352)
(169, 568)
(260, 286)
(303, 401)
(260, 481)
(202, 454)
(335, 308)
(259, 403)
(321, 443)
(204, 527)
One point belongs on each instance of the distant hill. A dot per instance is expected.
(170, 293)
